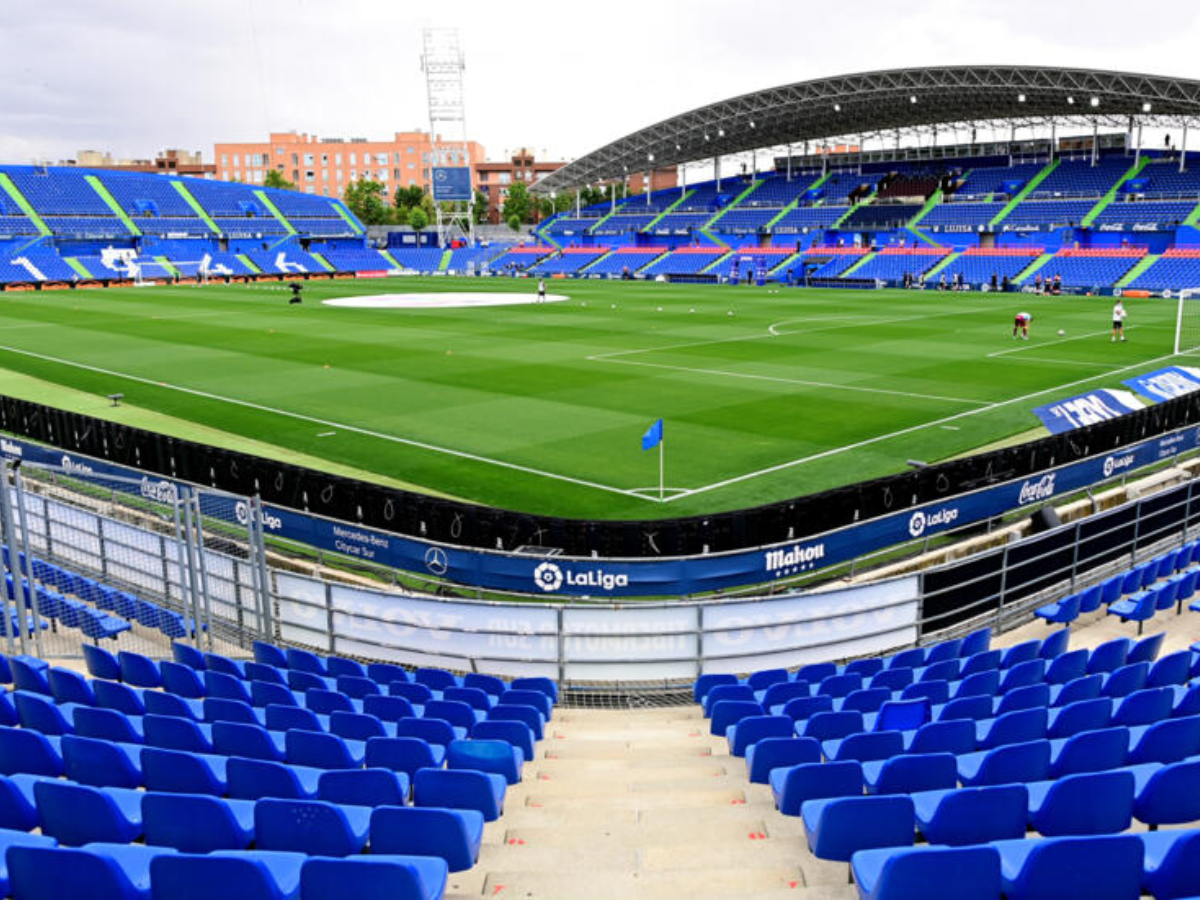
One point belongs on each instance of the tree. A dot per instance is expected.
(275, 179)
(514, 222)
(417, 220)
(365, 199)
(518, 202)
(408, 197)
(481, 207)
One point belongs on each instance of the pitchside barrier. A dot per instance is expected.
(431, 520)
(599, 577)
(169, 550)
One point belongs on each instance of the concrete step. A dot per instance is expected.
(566, 836)
(721, 797)
(701, 884)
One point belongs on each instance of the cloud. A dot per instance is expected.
(134, 77)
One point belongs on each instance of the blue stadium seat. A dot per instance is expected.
(1092, 803)
(1005, 765)
(1169, 863)
(460, 789)
(29, 752)
(76, 814)
(972, 815)
(313, 827)
(177, 771)
(908, 773)
(752, 729)
(253, 779)
(99, 763)
(364, 787)
(453, 835)
(794, 785)
(98, 870)
(197, 823)
(258, 875)
(779, 752)
(375, 877)
(1071, 868)
(893, 679)
(963, 873)
(499, 757)
(404, 754)
(838, 827)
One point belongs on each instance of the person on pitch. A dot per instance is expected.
(1119, 315)
(1021, 325)
(295, 287)
(541, 290)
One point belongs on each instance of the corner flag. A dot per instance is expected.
(653, 437)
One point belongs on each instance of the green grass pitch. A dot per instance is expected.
(541, 407)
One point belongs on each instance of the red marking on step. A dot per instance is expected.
(520, 841)
(497, 889)
(542, 776)
(694, 734)
(793, 884)
(538, 805)
(741, 802)
(753, 836)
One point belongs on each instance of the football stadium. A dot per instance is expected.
(794, 497)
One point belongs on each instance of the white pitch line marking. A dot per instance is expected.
(1066, 340)
(330, 424)
(797, 381)
(779, 467)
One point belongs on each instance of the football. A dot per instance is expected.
(1061, 332)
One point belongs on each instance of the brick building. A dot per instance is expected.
(169, 162)
(495, 178)
(326, 166)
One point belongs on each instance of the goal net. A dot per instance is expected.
(1187, 321)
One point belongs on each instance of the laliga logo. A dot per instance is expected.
(70, 467)
(1032, 491)
(1117, 463)
(159, 491)
(548, 577)
(920, 521)
(242, 512)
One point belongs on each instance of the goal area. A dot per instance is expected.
(1187, 321)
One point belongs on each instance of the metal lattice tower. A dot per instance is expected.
(443, 63)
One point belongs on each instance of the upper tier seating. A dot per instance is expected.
(776, 191)
(740, 220)
(220, 198)
(569, 226)
(1166, 214)
(17, 225)
(1079, 178)
(807, 218)
(59, 192)
(678, 223)
(250, 226)
(1165, 181)
(839, 185)
(961, 216)
(140, 196)
(880, 217)
(984, 182)
(706, 197)
(1046, 215)
(624, 224)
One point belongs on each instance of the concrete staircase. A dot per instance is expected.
(1030, 270)
(112, 204)
(1112, 193)
(643, 804)
(6, 184)
(1139, 267)
(273, 210)
(1024, 192)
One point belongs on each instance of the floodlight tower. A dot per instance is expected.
(443, 64)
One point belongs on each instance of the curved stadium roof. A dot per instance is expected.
(871, 103)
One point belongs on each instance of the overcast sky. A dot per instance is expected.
(560, 76)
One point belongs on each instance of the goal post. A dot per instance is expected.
(1187, 321)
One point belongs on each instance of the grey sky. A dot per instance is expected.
(135, 76)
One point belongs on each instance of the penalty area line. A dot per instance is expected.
(421, 445)
(779, 467)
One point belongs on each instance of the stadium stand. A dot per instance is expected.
(417, 259)
(880, 216)
(1086, 268)
(59, 192)
(357, 259)
(960, 216)
(748, 260)
(285, 259)
(467, 259)
(1134, 215)
(984, 182)
(569, 262)
(892, 263)
(1178, 267)
(684, 261)
(833, 261)
(740, 220)
(978, 265)
(520, 258)
(776, 191)
(1046, 215)
(623, 224)
(1079, 178)
(808, 218)
(678, 223)
(626, 260)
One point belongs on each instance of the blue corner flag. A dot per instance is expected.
(653, 437)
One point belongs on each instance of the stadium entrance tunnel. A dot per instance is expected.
(444, 300)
